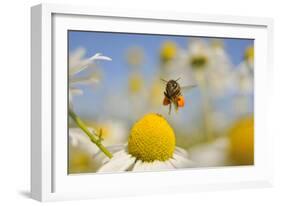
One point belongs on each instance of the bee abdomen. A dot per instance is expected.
(177, 92)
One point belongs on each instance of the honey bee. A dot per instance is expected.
(173, 95)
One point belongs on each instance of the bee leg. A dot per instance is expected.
(176, 107)
(170, 107)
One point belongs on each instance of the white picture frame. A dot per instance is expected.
(49, 178)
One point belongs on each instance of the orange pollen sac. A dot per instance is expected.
(180, 101)
(166, 101)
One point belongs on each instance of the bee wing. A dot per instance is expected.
(164, 80)
(185, 88)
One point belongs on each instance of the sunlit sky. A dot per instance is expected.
(115, 45)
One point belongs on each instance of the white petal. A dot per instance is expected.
(179, 161)
(118, 132)
(101, 159)
(160, 165)
(141, 166)
(138, 166)
(83, 64)
(169, 165)
(152, 166)
(75, 91)
(79, 139)
(112, 149)
(99, 56)
(84, 80)
(117, 147)
(76, 57)
(73, 141)
(181, 151)
(120, 161)
(78, 68)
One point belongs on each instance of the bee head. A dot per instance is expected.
(172, 84)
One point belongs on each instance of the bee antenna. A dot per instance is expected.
(177, 79)
(164, 80)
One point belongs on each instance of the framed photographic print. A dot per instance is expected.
(134, 102)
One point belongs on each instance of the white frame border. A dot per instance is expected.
(42, 88)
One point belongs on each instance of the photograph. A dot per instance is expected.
(140, 102)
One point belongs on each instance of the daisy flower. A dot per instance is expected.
(243, 102)
(221, 75)
(168, 52)
(211, 65)
(82, 148)
(198, 54)
(241, 137)
(151, 147)
(237, 148)
(77, 63)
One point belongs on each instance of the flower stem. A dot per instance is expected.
(92, 137)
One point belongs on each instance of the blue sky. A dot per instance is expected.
(115, 46)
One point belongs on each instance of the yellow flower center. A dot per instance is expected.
(135, 83)
(242, 141)
(168, 51)
(152, 138)
(249, 54)
(79, 161)
(198, 61)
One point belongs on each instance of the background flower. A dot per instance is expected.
(77, 64)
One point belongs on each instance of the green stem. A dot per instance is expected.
(92, 137)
